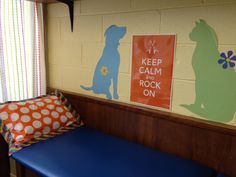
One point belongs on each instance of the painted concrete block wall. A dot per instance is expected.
(72, 57)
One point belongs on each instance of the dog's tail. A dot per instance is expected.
(86, 88)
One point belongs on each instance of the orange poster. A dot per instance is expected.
(152, 69)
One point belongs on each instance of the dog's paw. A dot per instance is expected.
(109, 97)
(116, 96)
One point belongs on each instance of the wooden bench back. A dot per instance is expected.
(211, 144)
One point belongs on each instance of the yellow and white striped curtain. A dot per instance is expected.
(22, 63)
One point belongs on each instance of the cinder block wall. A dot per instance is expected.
(72, 57)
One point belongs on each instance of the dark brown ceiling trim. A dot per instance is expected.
(69, 3)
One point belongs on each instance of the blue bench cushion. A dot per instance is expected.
(85, 152)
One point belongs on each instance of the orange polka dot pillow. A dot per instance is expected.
(25, 122)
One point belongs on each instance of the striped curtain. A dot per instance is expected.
(22, 63)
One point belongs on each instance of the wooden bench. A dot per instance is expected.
(210, 144)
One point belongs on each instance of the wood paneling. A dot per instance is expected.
(24, 172)
(4, 160)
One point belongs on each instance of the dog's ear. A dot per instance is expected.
(112, 26)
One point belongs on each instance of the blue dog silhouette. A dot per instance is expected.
(107, 68)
